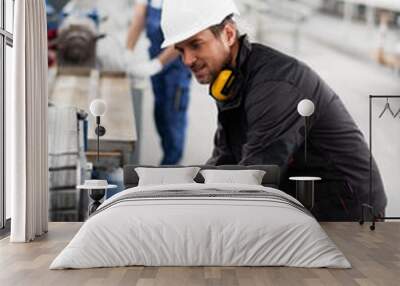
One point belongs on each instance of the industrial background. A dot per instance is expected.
(353, 44)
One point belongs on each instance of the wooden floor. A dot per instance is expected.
(375, 257)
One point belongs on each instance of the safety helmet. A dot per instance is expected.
(182, 19)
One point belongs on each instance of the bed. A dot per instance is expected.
(201, 224)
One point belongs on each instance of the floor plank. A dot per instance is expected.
(374, 255)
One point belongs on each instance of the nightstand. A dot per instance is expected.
(305, 190)
(97, 190)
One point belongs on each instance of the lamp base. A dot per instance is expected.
(96, 195)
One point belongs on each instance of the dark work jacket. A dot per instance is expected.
(261, 125)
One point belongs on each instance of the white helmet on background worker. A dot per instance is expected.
(182, 19)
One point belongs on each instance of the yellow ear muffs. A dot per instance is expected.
(221, 86)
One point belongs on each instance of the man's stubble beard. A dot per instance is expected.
(214, 74)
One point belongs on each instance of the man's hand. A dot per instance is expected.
(142, 69)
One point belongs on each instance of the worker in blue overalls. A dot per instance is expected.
(169, 77)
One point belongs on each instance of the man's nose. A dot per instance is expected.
(188, 58)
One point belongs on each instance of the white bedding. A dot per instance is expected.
(183, 231)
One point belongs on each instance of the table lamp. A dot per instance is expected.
(305, 184)
(98, 108)
(305, 108)
(97, 188)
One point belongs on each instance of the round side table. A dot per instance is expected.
(96, 193)
(305, 190)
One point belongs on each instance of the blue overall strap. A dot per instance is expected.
(153, 29)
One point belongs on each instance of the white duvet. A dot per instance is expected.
(202, 231)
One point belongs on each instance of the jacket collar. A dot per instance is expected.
(243, 54)
(244, 51)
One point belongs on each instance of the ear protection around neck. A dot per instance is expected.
(225, 86)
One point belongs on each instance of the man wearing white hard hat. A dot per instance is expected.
(257, 90)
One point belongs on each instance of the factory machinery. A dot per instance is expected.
(73, 34)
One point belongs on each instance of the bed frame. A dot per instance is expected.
(271, 177)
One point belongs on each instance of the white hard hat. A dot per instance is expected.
(182, 19)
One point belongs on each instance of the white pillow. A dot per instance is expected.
(248, 177)
(163, 176)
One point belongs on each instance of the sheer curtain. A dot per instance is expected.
(26, 135)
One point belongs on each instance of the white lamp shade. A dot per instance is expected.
(306, 107)
(98, 107)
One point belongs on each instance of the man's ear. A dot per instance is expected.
(230, 34)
